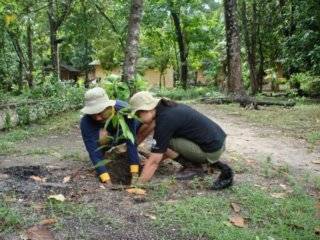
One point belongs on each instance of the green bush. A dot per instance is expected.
(190, 93)
(23, 114)
(47, 99)
(307, 83)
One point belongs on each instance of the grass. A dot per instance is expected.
(79, 216)
(301, 121)
(266, 217)
(9, 218)
(59, 123)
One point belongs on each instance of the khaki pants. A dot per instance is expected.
(192, 152)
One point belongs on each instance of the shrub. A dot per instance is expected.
(307, 83)
(190, 93)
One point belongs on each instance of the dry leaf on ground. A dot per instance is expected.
(137, 191)
(66, 179)
(316, 161)
(235, 207)
(58, 197)
(237, 221)
(151, 216)
(283, 186)
(278, 195)
(37, 178)
(48, 221)
(39, 232)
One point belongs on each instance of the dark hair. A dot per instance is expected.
(167, 102)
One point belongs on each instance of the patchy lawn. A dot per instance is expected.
(300, 121)
(268, 201)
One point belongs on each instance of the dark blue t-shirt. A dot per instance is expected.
(90, 134)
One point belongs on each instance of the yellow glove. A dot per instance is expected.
(134, 169)
(105, 178)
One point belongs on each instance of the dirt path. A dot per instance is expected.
(255, 142)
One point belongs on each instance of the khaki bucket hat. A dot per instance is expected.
(96, 100)
(143, 101)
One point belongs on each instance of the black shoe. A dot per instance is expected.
(225, 178)
(189, 174)
(222, 184)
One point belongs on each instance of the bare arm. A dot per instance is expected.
(144, 131)
(151, 165)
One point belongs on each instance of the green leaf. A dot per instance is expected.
(102, 163)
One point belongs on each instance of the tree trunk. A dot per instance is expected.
(132, 45)
(30, 55)
(53, 39)
(234, 77)
(183, 49)
(55, 21)
(54, 49)
(250, 44)
(86, 45)
(261, 72)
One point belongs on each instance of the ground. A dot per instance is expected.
(276, 190)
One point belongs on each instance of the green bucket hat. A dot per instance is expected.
(143, 101)
(96, 100)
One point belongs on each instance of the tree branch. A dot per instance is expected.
(100, 10)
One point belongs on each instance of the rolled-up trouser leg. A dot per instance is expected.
(192, 151)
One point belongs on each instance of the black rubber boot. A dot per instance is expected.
(189, 170)
(225, 178)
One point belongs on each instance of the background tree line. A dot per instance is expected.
(236, 44)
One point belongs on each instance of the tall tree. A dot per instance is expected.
(132, 45)
(234, 75)
(250, 43)
(57, 14)
(183, 48)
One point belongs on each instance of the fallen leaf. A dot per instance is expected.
(39, 232)
(278, 195)
(58, 197)
(48, 221)
(137, 191)
(4, 176)
(66, 179)
(153, 217)
(283, 186)
(171, 201)
(237, 221)
(317, 230)
(316, 161)
(36, 178)
(235, 207)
